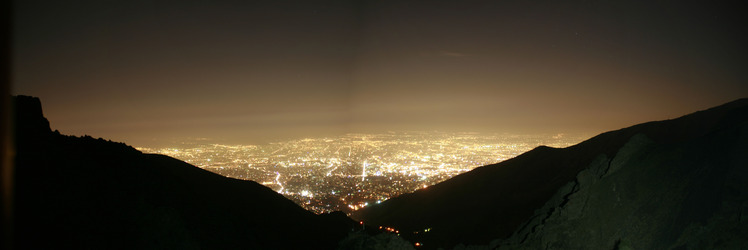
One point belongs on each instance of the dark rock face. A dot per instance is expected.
(86, 193)
(671, 180)
(365, 241)
(688, 195)
(29, 120)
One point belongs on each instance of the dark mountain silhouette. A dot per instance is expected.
(677, 183)
(86, 193)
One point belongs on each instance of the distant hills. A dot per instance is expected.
(85, 193)
(674, 184)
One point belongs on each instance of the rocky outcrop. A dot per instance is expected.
(29, 119)
(650, 195)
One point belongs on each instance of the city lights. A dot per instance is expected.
(349, 172)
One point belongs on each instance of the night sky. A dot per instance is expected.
(144, 72)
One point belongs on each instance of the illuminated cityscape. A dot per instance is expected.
(348, 172)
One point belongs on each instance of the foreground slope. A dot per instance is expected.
(683, 195)
(85, 193)
(494, 201)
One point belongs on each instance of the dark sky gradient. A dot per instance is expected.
(247, 71)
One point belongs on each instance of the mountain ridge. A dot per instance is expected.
(689, 194)
(457, 210)
(81, 192)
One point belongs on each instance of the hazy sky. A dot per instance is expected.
(138, 71)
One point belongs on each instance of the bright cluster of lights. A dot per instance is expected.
(389, 229)
(349, 172)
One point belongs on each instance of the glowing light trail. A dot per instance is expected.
(278, 176)
(363, 173)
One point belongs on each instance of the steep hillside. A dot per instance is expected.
(684, 195)
(493, 201)
(86, 193)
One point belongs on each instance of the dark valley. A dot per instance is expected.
(674, 184)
